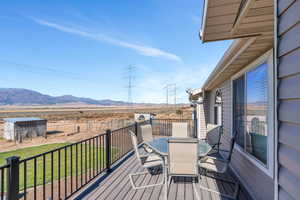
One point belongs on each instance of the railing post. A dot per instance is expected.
(13, 178)
(136, 128)
(108, 150)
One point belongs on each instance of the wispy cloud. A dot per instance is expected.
(141, 49)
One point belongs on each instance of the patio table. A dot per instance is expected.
(161, 146)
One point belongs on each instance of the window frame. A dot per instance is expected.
(268, 59)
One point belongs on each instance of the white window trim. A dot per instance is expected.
(269, 168)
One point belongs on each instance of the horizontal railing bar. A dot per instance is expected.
(4, 166)
(59, 148)
(126, 127)
(171, 119)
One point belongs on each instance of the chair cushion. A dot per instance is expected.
(153, 161)
(213, 165)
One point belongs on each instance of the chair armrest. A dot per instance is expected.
(214, 158)
(145, 155)
(141, 144)
(147, 144)
(224, 150)
(217, 144)
(154, 151)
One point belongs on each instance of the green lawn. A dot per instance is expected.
(89, 152)
(29, 151)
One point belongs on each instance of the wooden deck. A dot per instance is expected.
(116, 186)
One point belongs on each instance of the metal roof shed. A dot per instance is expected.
(18, 129)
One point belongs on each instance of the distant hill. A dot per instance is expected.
(14, 96)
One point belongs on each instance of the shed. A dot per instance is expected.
(21, 128)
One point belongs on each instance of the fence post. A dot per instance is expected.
(108, 150)
(13, 178)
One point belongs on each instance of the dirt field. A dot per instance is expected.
(71, 124)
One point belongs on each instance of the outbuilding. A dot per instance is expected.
(18, 129)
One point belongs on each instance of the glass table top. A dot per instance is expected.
(161, 145)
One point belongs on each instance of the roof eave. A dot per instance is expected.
(237, 45)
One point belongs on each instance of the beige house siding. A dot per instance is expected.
(204, 115)
(201, 121)
(289, 99)
(258, 184)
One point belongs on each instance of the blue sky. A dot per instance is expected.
(82, 47)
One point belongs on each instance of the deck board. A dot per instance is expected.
(117, 186)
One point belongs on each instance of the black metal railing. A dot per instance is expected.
(59, 173)
(121, 142)
(163, 127)
(3, 180)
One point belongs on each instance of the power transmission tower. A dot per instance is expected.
(129, 76)
(171, 90)
(167, 94)
(175, 95)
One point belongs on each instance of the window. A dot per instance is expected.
(250, 111)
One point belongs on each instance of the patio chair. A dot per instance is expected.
(147, 133)
(180, 130)
(183, 159)
(151, 162)
(219, 166)
(147, 136)
(213, 138)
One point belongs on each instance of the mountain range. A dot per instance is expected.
(16, 96)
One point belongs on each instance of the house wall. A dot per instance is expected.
(258, 184)
(203, 115)
(288, 99)
(201, 122)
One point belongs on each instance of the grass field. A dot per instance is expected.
(89, 153)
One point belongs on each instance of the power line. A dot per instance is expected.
(41, 70)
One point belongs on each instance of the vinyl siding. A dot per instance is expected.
(289, 99)
(201, 121)
(203, 116)
(258, 184)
